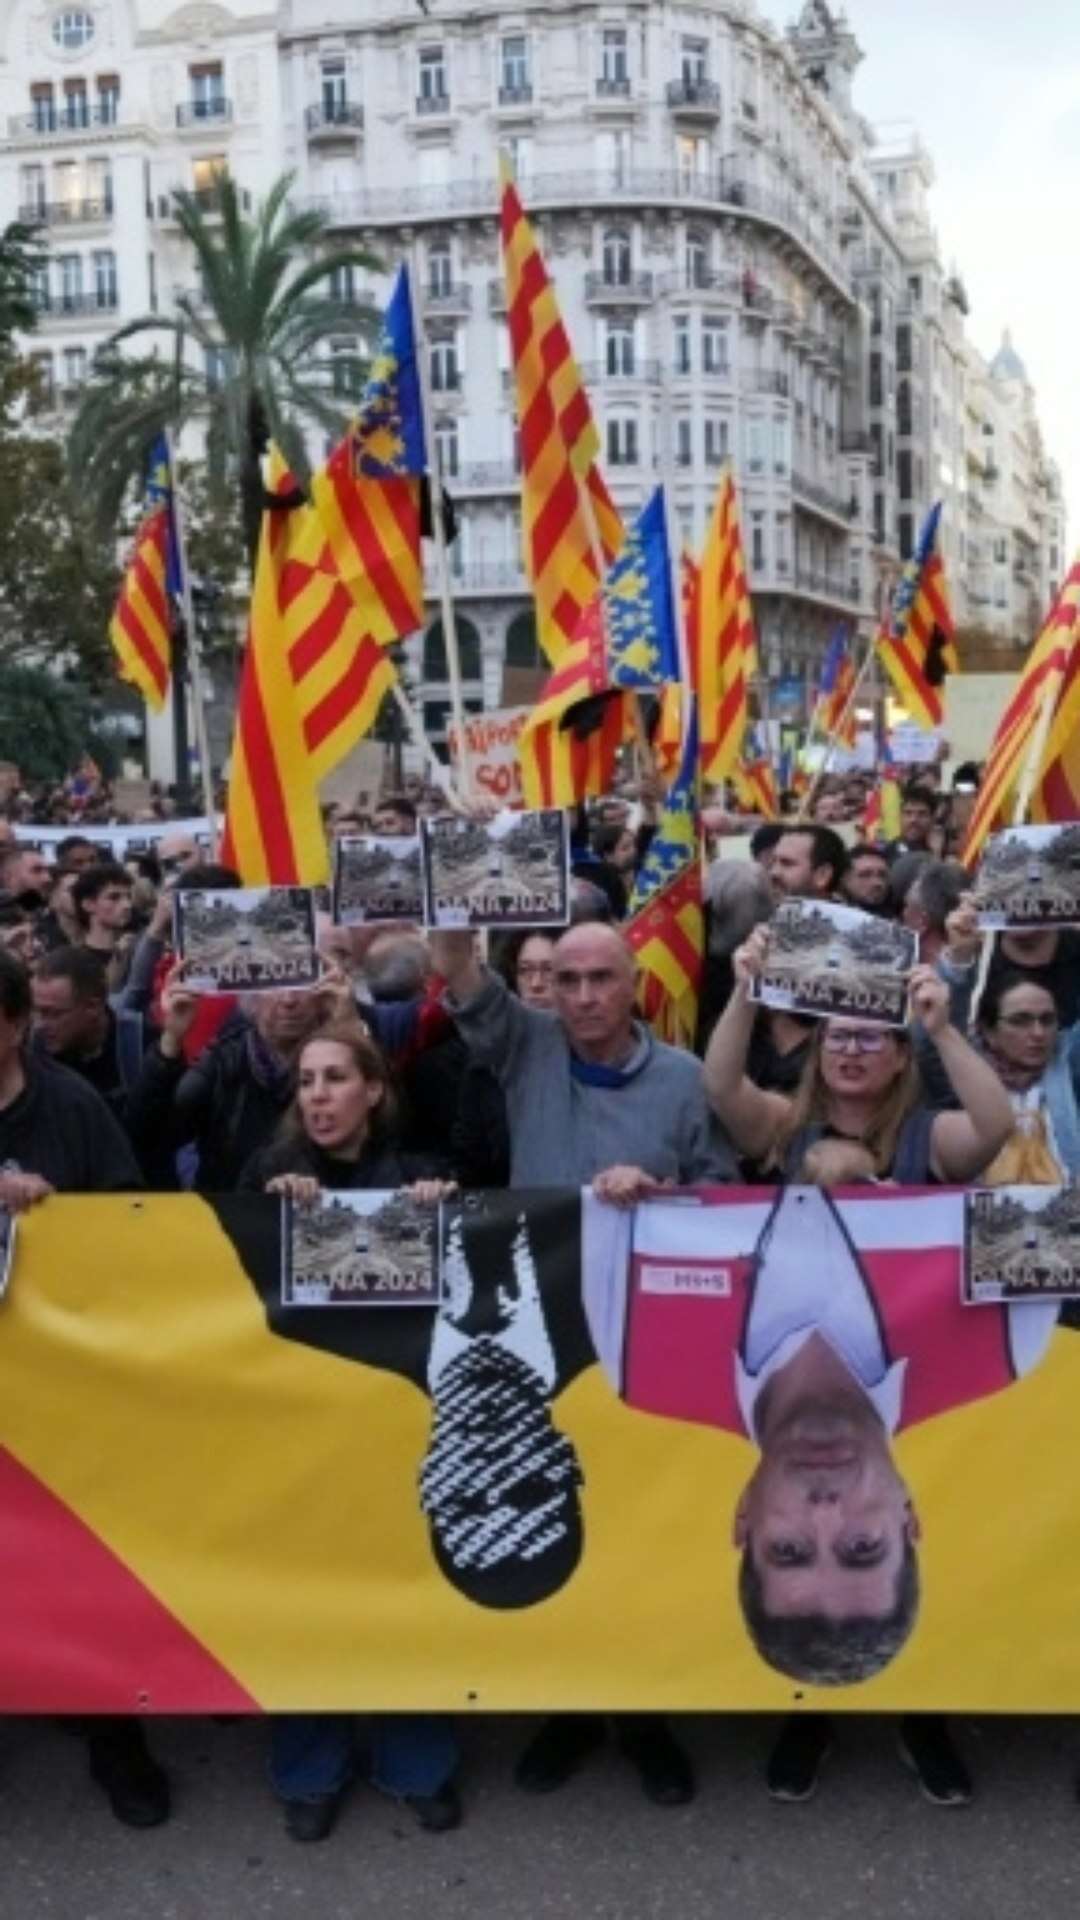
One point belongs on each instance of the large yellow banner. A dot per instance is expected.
(541, 1493)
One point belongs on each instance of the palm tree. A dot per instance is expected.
(22, 256)
(248, 355)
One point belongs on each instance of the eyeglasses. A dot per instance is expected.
(535, 970)
(1026, 1022)
(852, 1040)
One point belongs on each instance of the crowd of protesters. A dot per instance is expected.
(415, 1061)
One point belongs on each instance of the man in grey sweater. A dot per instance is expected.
(590, 1094)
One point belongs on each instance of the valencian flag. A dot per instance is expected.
(834, 714)
(568, 517)
(665, 929)
(369, 493)
(1050, 673)
(881, 814)
(626, 642)
(915, 644)
(273, 827)
(721, 638)
(141, 626)
(753, 779)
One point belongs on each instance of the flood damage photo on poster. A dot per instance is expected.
(512, 871)
(374, 1249)
(827, 959)
(377, 877)
(1030, 877)
(247, 940)
(1023, 1243)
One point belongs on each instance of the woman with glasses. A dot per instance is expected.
(860, 1083)
(1040, 1068)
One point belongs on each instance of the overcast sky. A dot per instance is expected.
(994, 89)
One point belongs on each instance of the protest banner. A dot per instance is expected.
(1023, 1244)
(377, 877)
(211, 1501)
(1030, 877)
(826, 959)
(248, 939)
(511, 871)
(490, 764)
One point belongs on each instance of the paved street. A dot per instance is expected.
(866, 1846)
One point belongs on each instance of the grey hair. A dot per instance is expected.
(396, 967)
(739, 895)
(937, 888)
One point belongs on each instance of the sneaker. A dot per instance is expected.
(926, 1747)
(314, 1818)
(795, 1763)
(667, 1778)
(136, 1788)
(438, 1812)
(558, 1751)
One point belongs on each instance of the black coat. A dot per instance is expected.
(218, 1104)
(60, 1128)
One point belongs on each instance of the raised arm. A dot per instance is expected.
(751, 1117)
(961, 1144)
(490, 1019)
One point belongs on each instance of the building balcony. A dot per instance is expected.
(613, 86)
(333, 120)
(481, 577)
(811, 493)
(596, 373)
(433, 106)
(207, 199)
(60, 123)
(856, 443)
(453, 300)
(76, 306)
(623, 290)
(518, 94)
(826, 587)
(192, 116)
(624, 187)
(486, 476)
(496, 295)
(694, 99)
(758, 380)
(69, 213)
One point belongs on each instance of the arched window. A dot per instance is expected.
(697, 258)
(616, 255)
(435, 667)
(522, 645)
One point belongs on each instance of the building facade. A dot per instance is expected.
(745, 274)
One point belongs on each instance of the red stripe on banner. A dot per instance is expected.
(375, 560)
(150, 586)
(368, 675)
(144, 645)
(265, 782)
(80, 1632)
(555, 516)
(317, 638)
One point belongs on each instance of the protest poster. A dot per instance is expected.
(512, 871)
(1023, 1243)
(914, 746)
(246, 940)
(491, 763)
(832, 960)
(1030, 877)
(364, 1249)
(377, 877)
(278, 1507)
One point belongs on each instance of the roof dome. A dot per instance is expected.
(1006, 363)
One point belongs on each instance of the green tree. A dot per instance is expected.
(22, 255)
(248, 355)
(47, 724)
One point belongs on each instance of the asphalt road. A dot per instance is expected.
(867, 1845)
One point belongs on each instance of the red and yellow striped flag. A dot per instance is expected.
(273, 827)
(1050, 673)
(141, 626)
(566, 510)
(916, 645)
(722, 642)
(666, 926)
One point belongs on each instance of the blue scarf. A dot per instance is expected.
(596, 1073)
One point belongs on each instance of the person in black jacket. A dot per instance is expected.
(57, 1135)
(339, 1134)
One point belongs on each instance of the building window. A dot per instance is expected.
(72, 30)
(334, 87)
(207, 91)
(622, 442)
(39, 287)
(714, 345)
(619, 360)
(904, 474)
(684, 442)
(99, 186)
(339, 285)
(614, 67)
(446, 445)
(755, 446)
(696, 255)
(469, 651)
(206, 175)
(695, 61)
(616, 257)
(692, 159)
(71, 282)
(42, 107)
(781, 433)
(684, 359)
(42, 364)
(514, 67)
(32, 197)
(907, 534)
(74, 367)
(108, 99)
(105, 290)
(1001, 551)
(445, 372)
(440, 268)
(614, 154)
(522, 645)
(432, 74)
(76, 104)
(518, 150)
(757, 540)
(717, 441)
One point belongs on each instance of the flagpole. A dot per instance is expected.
(438, 529)
(194, 652)
(830, 749)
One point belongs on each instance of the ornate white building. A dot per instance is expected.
(741, 270)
